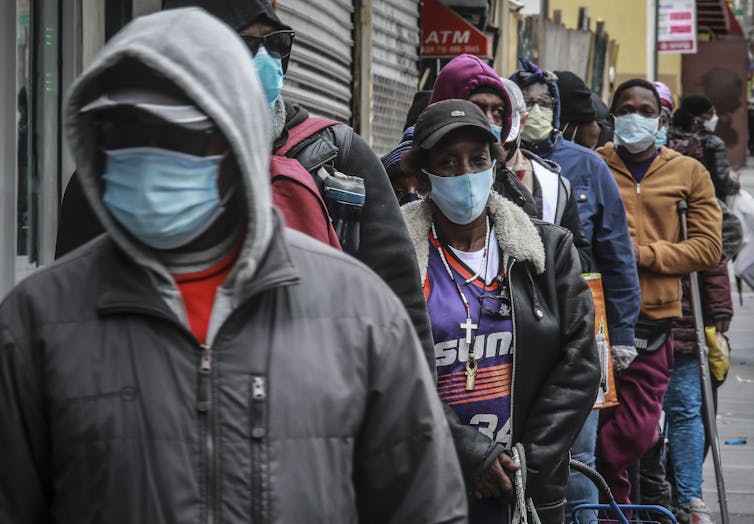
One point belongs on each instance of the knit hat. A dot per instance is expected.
(666, 96)
(575, 98)
(392, 160)
(695, 105)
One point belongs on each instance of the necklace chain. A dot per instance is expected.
(471, 364)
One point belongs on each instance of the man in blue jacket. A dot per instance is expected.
(603, 223)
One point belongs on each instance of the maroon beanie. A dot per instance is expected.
(465, 75)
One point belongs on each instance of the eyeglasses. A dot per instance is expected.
(122, 135)
(544, 101)
(278, 44)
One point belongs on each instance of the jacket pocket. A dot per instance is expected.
(259, 451)
(659, 290)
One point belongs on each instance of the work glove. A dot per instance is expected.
(622, 357)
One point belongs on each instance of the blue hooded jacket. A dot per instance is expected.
(602, 214)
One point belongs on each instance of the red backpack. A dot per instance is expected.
(294, 191)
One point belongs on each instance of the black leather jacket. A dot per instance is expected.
(556, 365)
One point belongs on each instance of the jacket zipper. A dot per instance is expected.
(204, 407)
(515, 349)
(258, 433)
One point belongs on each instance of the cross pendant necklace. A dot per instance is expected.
(468, 326)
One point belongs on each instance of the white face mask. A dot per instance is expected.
(711, 124)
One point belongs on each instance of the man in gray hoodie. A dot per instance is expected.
(193, 363)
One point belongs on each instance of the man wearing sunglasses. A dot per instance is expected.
(196, 363)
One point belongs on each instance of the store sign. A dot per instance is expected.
(676, 26)
(445, 34)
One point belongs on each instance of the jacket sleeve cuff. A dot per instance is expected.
(622, 337)
(645, 256)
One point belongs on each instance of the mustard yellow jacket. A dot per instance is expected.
(662, 255)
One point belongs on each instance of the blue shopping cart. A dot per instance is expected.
(612, 512)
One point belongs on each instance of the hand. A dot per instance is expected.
(722, 325)
(622, 357)
(494, 482)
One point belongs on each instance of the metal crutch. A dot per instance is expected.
(709, 406)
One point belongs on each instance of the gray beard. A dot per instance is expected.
(278, 116)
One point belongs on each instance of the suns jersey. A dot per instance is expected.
(487, 408)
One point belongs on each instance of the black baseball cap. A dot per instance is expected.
(440, 118)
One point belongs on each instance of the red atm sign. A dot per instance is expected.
(445, 34)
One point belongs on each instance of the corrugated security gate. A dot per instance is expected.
(395, 73)
(319, 75)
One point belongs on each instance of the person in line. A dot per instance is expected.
(578, 119)
(189, 363)
(666, 115)
(604, 120)
(467, 77)
(511, 316)
(603, 217)
(405, 185)
(552, 193)
(696, 120)
(603, 222)
(652, 182)
(383, 241)
(683, 400)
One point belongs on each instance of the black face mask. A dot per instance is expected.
(410, 197)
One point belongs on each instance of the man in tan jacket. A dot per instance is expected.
(652, 181)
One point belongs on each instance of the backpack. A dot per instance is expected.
(327, 208)
(690, 146)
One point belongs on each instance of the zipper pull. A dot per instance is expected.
(205, 368)
(638, 189)
(258, 408)
(258, 389)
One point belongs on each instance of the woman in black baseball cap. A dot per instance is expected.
(505, 298)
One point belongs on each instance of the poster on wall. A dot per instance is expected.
(676, 26)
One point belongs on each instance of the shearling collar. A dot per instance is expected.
(516, 234)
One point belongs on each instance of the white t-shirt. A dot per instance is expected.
(475, 259)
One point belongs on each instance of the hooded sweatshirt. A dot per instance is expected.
(227, 90)
(463, 76)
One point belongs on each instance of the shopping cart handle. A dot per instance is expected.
(595, 477)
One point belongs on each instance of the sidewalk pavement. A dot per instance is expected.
(735, 420)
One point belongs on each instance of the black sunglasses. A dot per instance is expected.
(123, 135)
(278, 44)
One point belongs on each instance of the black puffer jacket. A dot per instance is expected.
(556, 366)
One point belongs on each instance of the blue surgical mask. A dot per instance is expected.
(635, 132)
(462, 198)
(163, 198)
(661, 137)
(270, 71)
(497, 131)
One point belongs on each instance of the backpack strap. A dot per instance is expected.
(297, 196)
(304, 130)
